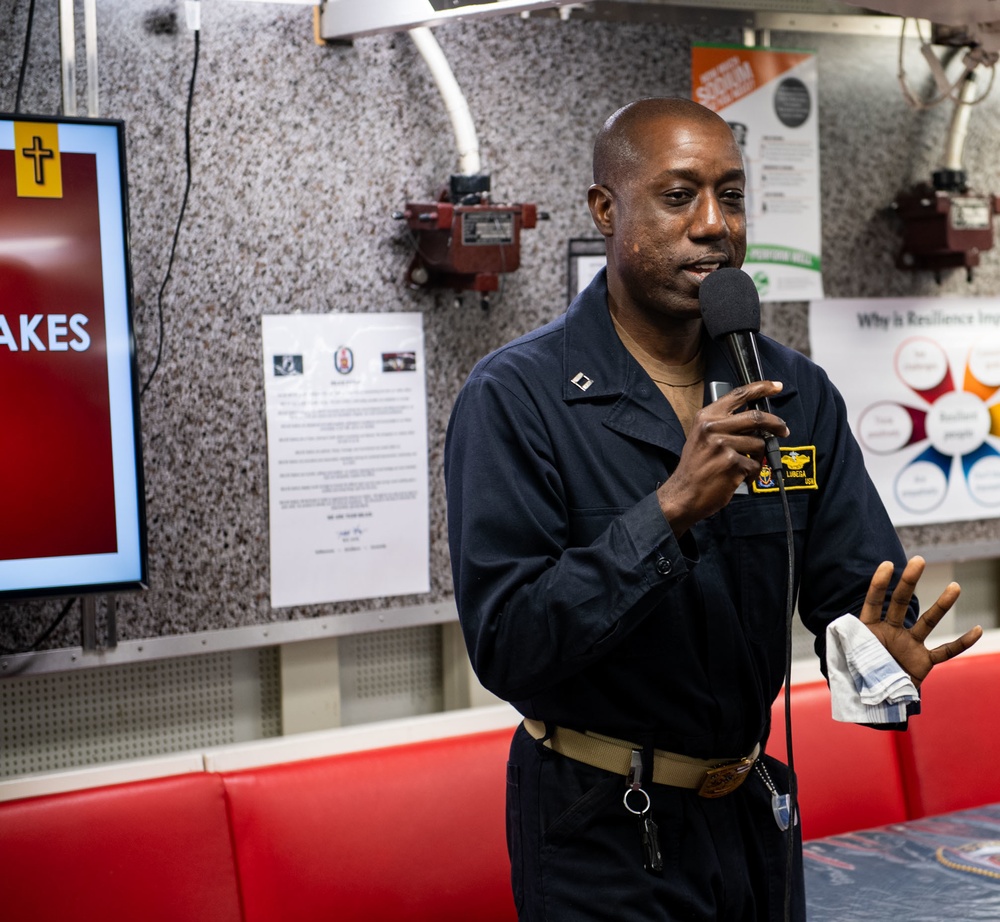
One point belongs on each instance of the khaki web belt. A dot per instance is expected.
(709, 777)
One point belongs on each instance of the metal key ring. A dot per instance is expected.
(636, 791)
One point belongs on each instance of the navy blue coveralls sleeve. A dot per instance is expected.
(577, 602)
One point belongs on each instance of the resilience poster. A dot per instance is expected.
(921, 380)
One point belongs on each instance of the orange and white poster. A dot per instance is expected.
(769, 98)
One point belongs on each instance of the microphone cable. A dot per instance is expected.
(779, 478)
(730, 310)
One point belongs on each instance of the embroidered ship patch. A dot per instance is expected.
(799, 466)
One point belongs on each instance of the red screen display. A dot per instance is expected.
(55, 423)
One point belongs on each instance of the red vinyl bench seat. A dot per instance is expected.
(415, 830)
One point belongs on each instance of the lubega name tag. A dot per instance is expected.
(799, 468)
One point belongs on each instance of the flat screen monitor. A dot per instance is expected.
(73, 508)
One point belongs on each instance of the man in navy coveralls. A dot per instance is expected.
(617, 582)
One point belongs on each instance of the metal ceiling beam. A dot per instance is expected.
(349, 19)
(865, 25)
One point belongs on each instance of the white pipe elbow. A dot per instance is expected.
(454, 100)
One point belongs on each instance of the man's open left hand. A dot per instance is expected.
(906, 645)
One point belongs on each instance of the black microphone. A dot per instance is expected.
(730, 310)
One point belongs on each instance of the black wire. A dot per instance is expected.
(24, 57)
(41, 638)
(173, 249)
(180, 216)
(789, 616)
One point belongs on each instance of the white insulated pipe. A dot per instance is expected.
(90, 39)
(67, 54)
(959, 128)
(454, 100)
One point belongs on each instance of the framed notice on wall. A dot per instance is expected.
(347, 456)
(70, 465)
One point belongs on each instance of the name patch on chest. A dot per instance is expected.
(799, 467)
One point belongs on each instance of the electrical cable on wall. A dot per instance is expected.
(194, 23)
(41, 638)
(976, 57)
(24, 56)
(193, 17)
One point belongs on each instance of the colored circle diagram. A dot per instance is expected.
(947, 432)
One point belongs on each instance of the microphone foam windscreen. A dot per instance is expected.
(729, 303)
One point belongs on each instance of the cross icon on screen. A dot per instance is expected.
(39, 154)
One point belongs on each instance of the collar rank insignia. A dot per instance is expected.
(799, 467)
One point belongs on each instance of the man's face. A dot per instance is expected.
(676, 215)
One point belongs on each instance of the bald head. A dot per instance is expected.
(668, 197)
(618, 147)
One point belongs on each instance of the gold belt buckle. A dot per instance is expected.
(723, 779)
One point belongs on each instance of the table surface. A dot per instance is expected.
(936, 869)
